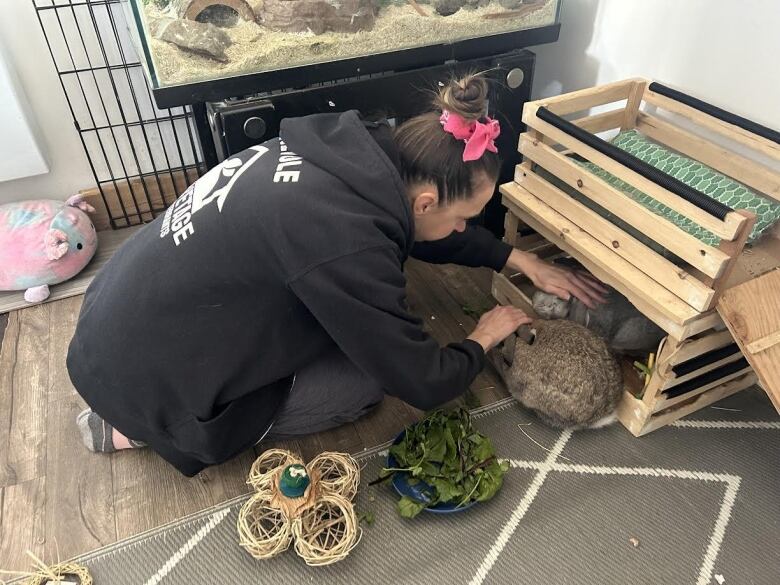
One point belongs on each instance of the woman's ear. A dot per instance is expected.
(425, 202)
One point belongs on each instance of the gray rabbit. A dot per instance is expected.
(563, 372)
(624, 328)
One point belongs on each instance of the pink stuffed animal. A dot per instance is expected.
(44, 242)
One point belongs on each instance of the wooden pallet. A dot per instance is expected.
(681, 298)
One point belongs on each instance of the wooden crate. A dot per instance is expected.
(680, 297)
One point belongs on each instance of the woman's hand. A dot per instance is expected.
(561, 282)
(498, 324)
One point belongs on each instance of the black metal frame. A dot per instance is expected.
(307, 75)
(122, 131)
(393, 95)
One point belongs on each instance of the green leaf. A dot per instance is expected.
(492, 480)
(447, 490)
(429, 469)
(409, 508)
(436, 445)
(474, 312)
(399, 452)
(367, 517)
(483, 450)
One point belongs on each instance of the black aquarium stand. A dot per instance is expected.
(230, 126)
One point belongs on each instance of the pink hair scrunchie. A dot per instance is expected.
(478, 136)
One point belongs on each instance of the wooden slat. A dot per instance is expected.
(24, 369)
(653, 386)
(711, 396)
(764, 343)
(692, 348)
(669, 402)
(725, 229)
(709, 260)
(654, 301)
(632, 413)
(705, 322)
(752, 312)
(585, 99)
(525, 243)
(672, 381)
(601, 122)
(730, 131)
(508, 294)
(108, 243)
(633, 104)
(510, 229)
(675, 279)
(751, 173)
(733, 250)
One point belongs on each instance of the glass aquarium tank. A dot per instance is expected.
(199, 50)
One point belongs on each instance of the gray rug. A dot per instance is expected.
(696, 503)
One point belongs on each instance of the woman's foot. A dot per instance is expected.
(100, 437)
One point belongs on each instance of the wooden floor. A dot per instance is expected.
(56, 498)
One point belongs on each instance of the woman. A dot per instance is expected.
(269, 300)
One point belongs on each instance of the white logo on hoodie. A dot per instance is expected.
(178, 218)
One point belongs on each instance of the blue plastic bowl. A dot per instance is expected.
(421, 491)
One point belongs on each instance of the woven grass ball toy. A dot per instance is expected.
(308, 505)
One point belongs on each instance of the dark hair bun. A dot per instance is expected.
(466, 96)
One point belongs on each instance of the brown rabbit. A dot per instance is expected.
(563, 372)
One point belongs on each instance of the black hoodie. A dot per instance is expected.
(189, 337)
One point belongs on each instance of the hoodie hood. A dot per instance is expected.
(348, 148)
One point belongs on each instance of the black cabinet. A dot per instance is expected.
(234, 125)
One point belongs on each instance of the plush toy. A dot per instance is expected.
(44, 242)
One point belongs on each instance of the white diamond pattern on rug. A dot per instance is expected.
(551, 464)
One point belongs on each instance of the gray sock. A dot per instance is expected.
(96, 434)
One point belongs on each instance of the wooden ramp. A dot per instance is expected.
(751, 311)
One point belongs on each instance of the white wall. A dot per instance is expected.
(721, 51)
(59, 141)
(20, 154)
